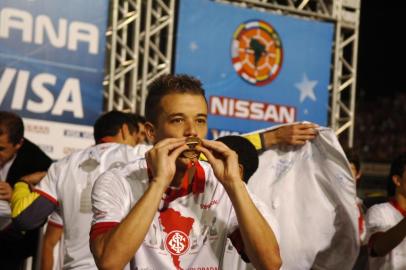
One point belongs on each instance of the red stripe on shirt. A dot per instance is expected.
(101, 228)
(54, 224)
(397, 206)
(47, 196)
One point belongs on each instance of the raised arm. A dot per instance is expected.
(294, 134)
(259, 240)
(113, 249)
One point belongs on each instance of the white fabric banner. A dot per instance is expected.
(312, 195)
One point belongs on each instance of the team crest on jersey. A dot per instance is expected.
(177, 243)
(257, 52)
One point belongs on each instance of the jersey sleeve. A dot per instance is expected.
(374, 220)
(55, 220)
(47, 186)
(375, 224)
(111, 199)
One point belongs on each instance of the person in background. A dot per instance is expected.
(18, 157)
(386, 223)
(67, 186)
(247, 154)
(248, 161)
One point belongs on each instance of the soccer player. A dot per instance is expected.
(170, 210)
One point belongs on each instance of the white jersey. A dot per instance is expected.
(189, 231)
(69, 183)
(380, 218)
(312, 195)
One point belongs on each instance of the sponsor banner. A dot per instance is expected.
(52, 60)
(58, 139)
(258, 69)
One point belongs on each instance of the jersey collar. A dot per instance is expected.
(396, 205)
(194, 181)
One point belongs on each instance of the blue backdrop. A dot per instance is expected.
(52, 58)
(215, 41)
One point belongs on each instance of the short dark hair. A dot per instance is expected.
(109, 124)
(11, 124)
(138, 119)
(397, 167)
(169, 84)
(247, 154)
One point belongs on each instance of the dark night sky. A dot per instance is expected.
(381, 54)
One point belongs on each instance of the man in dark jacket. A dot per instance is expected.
(18, 157)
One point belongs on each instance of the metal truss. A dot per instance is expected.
(140, 41)
(139, 49)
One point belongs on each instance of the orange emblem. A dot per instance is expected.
(257, 52)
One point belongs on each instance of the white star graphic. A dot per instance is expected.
(306, 88)
(193, 46)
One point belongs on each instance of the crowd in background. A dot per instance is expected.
(380, 127)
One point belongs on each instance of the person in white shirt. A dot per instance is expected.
(386, 223)
(67, 186)
(171, 211)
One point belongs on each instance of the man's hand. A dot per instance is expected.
(295, 134)
(33, 178)
(5, 191)
(223, 160)
(161, 159)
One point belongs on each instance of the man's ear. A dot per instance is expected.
(19, 144)
(150, 131)
(125, 131)
(396, 180)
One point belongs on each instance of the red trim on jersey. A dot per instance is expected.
(107, 139)
(395, 204)
(361, 221)
(54, 224)
(101, 228)
(47, 196)
(196, 186)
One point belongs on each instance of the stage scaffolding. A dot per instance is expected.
(141, 38)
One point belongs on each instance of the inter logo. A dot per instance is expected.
(177, 243)
(257, 52)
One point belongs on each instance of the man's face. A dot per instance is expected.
(401, 185)
(7, 149)
(182, 115)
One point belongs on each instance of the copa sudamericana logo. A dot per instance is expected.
(257, 52)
